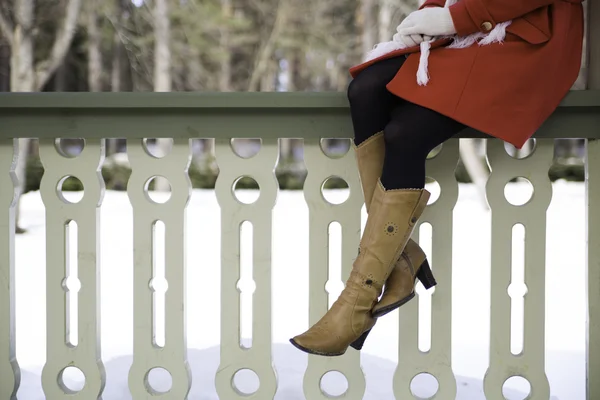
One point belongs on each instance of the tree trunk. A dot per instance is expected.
(162, 68)
(94, 50)
(474, 163)
(224, 44)
(261, 64)
(386, 11)
(162, 51)
(27, 77)
(369, 25)
(4, 67)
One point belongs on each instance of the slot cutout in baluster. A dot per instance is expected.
(517, 290)
(246, 285)
(71, 285)
(158, 284)
(425, 241)
(334, 285)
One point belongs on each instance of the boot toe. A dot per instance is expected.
(315, 344)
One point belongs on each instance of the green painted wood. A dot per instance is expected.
(212, 100)
(218, 115)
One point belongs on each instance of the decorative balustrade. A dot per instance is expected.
(155, 221)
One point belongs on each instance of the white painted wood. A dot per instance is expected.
(9, 368)
(321, 215)
(592, 178)
(86, 213)
(532, 215)
(146, 354)
(234, 357)
(437, 361)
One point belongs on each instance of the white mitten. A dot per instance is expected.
(411, 40)
(430, 21)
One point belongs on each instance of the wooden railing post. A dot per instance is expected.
(593, 213)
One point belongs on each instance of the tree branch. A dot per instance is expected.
(6, 27)
(46, 68)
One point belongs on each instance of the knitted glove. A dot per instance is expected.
(411, 40)
(430, 21)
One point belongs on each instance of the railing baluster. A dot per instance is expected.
(321, 215)
(437, 361)
(530, 364)
(9, 368)
(150, 358)
(61, 209)
(234, 212)
(592, 180)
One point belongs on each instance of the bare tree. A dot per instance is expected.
(368, 22)
(268, 43)
(94, 50)
(224, 44)
(162, 67)
(26, 75)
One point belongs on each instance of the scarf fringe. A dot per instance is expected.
(497, 35)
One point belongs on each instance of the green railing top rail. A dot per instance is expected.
(226, 115)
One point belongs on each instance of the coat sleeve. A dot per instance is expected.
(471, 16)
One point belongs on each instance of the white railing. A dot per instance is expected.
(161, 243)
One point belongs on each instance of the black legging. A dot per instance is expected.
(410, 131)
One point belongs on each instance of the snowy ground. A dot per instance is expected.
(565, 323)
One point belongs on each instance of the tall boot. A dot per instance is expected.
(412, 264)
(392, 218)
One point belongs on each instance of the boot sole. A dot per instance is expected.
(315, 352)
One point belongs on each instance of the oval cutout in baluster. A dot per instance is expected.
(71, 380)
(424, 296)
(518, 191)
(335, 190)
(424, 386)
(158, 381)
(157, 147)
(246, 285)
(70, 190)
(245, 148)
(335, 147)
(334, 285)
(245, 382)
(517, 384)
(71, 284)
(527, 150)
(334, 384)
(517, 290)
(434, 188)
(69, 148)
(158, 284)
(157, 189)
(435, 152)
(246, 190)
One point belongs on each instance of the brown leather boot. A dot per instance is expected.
(412, 264)
(392, 218)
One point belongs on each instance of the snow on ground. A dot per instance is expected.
(565, 306)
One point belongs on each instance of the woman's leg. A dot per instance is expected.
(370, 101)
(411, 134)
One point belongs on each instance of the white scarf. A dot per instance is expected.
(496, 35)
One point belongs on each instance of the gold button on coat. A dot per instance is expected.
(487, 26)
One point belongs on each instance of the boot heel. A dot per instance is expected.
(426, 276)
(358, 343)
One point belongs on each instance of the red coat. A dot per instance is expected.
(505, 90)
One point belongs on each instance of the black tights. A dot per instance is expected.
(410, 131)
